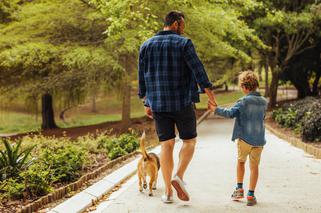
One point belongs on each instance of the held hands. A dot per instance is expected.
(211, 105)
(148, 112)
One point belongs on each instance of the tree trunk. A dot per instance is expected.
(260, 72)
(274, 88)
(126, 88)
(266, 69)
(48, 118)
(315, 91)
(93, 105)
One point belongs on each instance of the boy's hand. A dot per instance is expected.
(148, 112)
(211, 106)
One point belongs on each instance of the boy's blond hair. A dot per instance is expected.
(249, 80)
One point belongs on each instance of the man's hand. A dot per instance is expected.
(211, 100)
(148, 112)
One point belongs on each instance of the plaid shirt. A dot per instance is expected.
(169, 71)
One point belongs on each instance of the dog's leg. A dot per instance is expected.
(140, 183)
(145, 182)
(151, 183)
(155, 182)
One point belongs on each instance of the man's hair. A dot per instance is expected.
(249, 80)
(173, 16)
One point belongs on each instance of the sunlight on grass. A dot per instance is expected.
(13, 122)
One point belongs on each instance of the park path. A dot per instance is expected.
(290, 180)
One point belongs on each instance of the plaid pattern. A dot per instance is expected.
(169, 71)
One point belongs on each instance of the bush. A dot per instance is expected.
(117, 147)
(12, 188)
(13, 159)
(311, 129)
(304, 116)
(116, 152)
(38, 180)
(65, 162)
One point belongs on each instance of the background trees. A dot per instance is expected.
(69, 52)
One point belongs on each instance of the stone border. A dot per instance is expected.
(62, 191)
(308, 148)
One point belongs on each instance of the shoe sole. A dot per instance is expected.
(251, 204)
(237, 198)
(180, 192)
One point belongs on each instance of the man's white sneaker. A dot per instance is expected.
(167, 199)
(178, 184)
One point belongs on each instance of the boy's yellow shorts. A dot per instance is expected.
(254, 152)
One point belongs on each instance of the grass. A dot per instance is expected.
(221, 98)
(109, 109)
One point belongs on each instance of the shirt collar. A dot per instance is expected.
(254, 93)
(166, 32)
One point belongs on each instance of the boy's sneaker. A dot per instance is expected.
(238, 194)
(251, 200)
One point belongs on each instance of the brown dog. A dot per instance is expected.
(147, 165)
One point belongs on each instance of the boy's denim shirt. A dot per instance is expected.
(249, 112)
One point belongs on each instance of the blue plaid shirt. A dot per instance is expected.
(169, 71)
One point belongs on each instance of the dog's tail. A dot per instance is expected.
(142, 146)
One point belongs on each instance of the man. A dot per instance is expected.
(168, 69)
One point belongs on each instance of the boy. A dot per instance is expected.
(249, 132)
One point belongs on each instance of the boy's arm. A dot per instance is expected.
(229, 112)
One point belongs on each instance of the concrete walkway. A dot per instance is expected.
(290, 179)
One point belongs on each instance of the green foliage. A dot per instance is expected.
(11, 188)
(117, 147)
(13, 159)
(38, 180)
(65, 162)
(303, 116)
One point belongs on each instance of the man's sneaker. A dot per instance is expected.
(238, 194)
(178, 184)
(167, 199)
(251, 200)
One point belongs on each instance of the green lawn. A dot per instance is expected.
(14, 122)
(222, 99)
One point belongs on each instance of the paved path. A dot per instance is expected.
(290, 179)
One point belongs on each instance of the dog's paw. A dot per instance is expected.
(141, 190)
(145, 185)
(150, 194)
(154, 188)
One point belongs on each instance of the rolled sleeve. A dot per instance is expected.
(195, 64)
(141, 77)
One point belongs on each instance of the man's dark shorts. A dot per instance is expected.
(185, 121)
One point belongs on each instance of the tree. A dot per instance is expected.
(287, 28)
(50, 50)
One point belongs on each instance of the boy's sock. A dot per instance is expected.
(239, 186)
(250, 193)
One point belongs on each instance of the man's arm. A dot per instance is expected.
(195, 64)
(141, 77)
(142, 85)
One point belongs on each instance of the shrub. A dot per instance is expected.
(13, 159)
(65, 161)
(116, 152)
(311, 129)
(304, 116)
(12, 188)
(38, 180)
